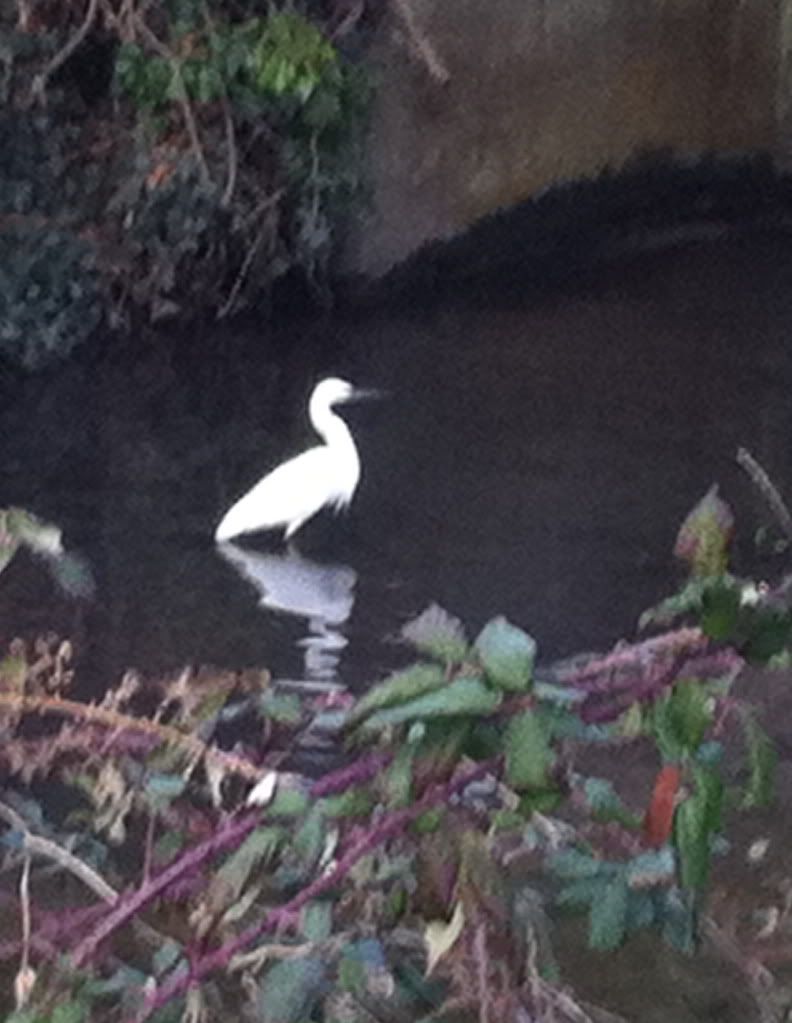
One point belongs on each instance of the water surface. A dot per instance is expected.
(534, 458)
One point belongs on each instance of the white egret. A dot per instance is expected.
(324, 476)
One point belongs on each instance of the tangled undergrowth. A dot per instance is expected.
(151, 874)
(169, 159)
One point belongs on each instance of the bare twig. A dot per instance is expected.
(228, 306)
(25, 979)
(50, 850)
(40, 81)
(228, 120)
(482, 973)
(233, 159)
(183, 99)
(421, 43)
(767, 489)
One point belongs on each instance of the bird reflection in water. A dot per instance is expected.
(324, 594)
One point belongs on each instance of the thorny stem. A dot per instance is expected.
(116, 720)
(132, 904)
(387, 827)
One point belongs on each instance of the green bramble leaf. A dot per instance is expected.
(437, 633)
(355, 802)
(288, 803)
(608, 915)
(762, 759)
(316, 920)
(283, 708)
(692, 841)
(399, 776)
(464, 696)
(528, 753)
(401, 687)
(163, 788)
(259, 847)
(507, 655)
(691, 709)
(289, 990)
(309, 839)
(705, 535)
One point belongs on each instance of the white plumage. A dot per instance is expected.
(324, 476)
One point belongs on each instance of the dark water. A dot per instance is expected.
(534, 458)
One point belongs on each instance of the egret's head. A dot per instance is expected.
(332, 391)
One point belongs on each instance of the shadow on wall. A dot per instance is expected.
(556, 238)
(533, 94)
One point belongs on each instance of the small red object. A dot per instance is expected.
(659, 818)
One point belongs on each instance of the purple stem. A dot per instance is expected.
(362, 770)
(128, 905)
(387, 827)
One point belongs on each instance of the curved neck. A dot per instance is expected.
(330, 426)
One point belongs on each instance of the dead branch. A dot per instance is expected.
(40, 81)
(44, 847)
(228, 306)
(233, 160)
(767, 489)
(421, 43)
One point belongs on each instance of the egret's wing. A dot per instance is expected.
(294, 491)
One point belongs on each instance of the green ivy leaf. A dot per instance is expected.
(507, 655)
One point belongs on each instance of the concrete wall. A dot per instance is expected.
(542, 91)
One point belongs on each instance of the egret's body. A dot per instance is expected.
(324, 476)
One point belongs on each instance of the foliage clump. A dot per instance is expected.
(167, 160)
(418, 879)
